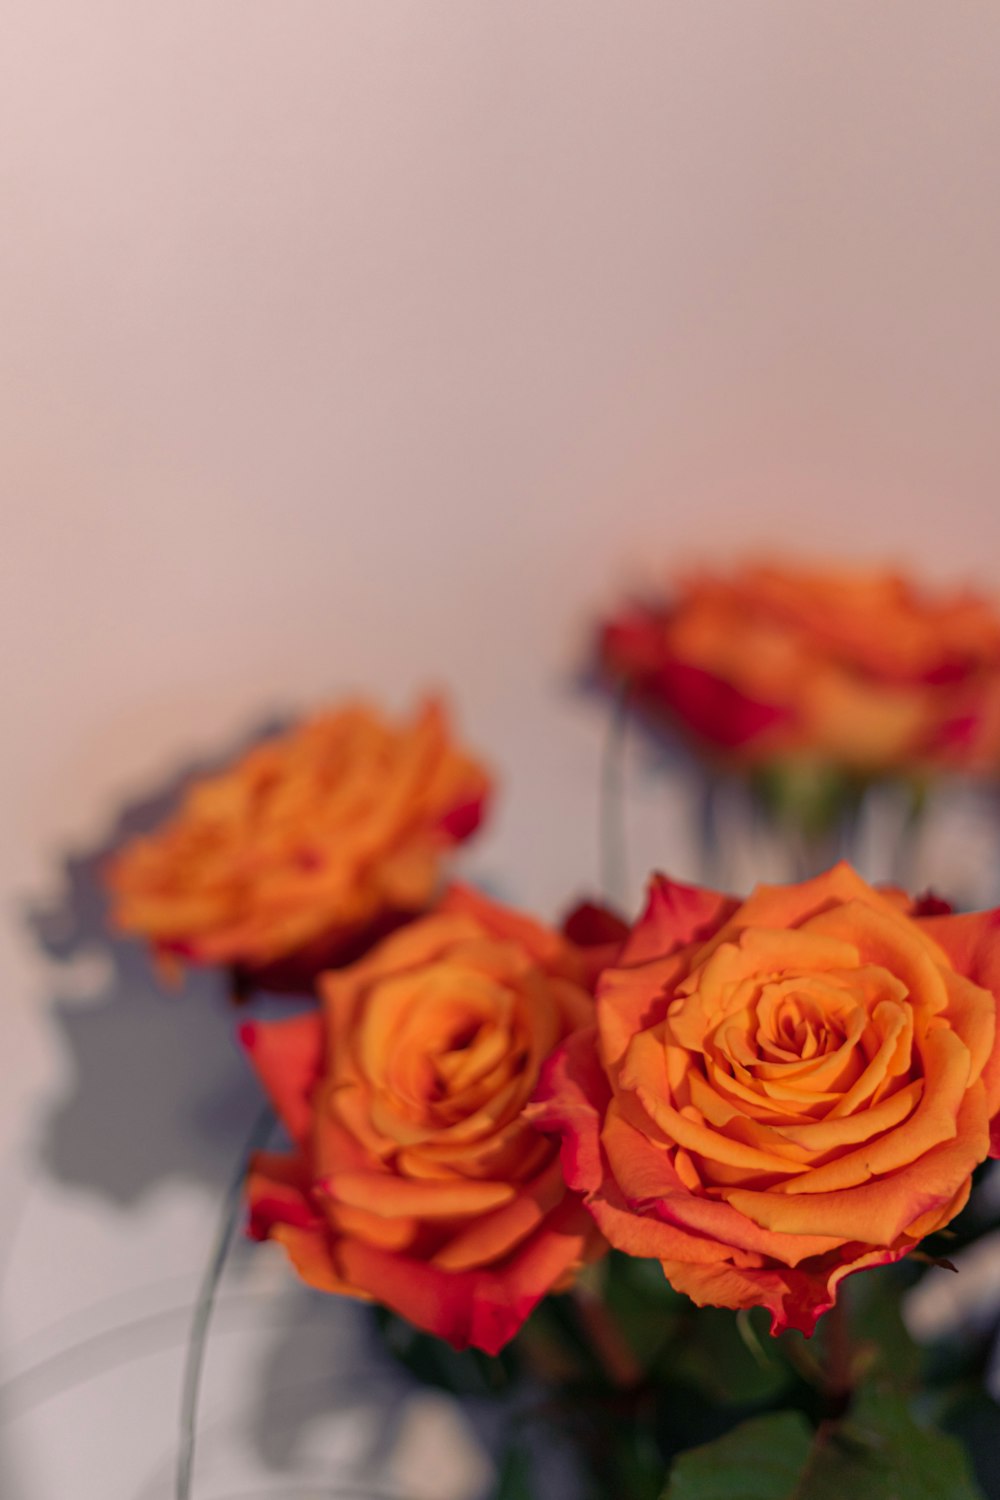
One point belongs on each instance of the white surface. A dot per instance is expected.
(351, 343)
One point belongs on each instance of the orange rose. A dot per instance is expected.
(783, 1090)
(416, 1181)
(853, 668)
(307, 848)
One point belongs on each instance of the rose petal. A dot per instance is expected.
(569, 1101)
(972, 942)
(483, 1307)
(795, 1298)
(881, 1210)
(675, 915)
(287, 1056)
(390, 1197)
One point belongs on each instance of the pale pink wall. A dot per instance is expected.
(363, 342)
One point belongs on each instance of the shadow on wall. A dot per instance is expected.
(159, 1086)
(331, 1401)
(322, 1364)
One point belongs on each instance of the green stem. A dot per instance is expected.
(839, 1364)
(613, 1351)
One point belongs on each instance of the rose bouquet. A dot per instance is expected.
(804, 688)
(658, 1188)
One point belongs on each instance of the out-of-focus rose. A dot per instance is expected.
(857, 669)
(301, 853)
(416, 1181)
(784, 1090)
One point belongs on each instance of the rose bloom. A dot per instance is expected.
(854, 668)
(415, 1180)
(784, 1090)
(307, 848)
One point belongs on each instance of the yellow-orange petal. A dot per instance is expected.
(649, 1182)
(819, 1136)
(388, 1234)
(496, 1234)
(792, 905)
(946, 1076)
(972, 1015)
(878, 1212)
(645, 1072)
(893, 942)
(546, 946)
(388, 1196)
(972, 943)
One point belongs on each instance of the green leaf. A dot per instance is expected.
(881, 1453)
(878, 1453)
(759, 1460)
